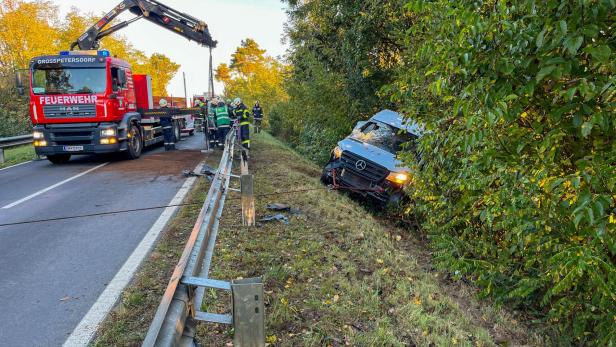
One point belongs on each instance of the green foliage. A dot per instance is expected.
(517, 182)
(342, 52)
(515, 188)
(14, 118)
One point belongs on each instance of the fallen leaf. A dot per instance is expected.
(336, 298)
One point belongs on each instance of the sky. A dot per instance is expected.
(229, 21)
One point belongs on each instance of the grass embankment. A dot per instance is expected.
(17, 155)
(336, 275)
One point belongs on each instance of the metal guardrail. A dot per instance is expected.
(9, 142)
(174, 323)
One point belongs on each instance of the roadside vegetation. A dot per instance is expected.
(13, 156)
(515, 190)
(336, 275)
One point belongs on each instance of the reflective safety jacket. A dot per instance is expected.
(257, 112)
(242, 114)
(222, 116)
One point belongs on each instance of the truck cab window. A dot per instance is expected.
(118, 78)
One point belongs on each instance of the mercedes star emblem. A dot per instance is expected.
(360, 165)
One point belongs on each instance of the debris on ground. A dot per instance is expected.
(190, 173)
(278, 207)
(279, 217)
(208, 170)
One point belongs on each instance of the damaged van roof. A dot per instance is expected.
(397, 120)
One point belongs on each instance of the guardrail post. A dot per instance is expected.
(248, 312)
(248, 200)
(1, 155)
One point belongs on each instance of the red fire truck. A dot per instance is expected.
(86, 101)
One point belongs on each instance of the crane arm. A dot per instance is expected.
(180, 23)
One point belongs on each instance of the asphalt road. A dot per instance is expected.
(51, 273)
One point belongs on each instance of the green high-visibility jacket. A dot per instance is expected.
(222, 116)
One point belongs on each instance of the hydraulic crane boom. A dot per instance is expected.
(155, 12)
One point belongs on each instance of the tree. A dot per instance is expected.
(162, 69)
(27, 31)
(252, 75)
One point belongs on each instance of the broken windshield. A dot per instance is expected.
(383, 136)
(69, 81)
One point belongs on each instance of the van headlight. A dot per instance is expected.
(337, 152)
(398, 177)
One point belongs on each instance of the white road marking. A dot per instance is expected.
(85, 330)
(42, 191)
(8, 167)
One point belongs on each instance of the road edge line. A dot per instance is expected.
(18, 164)
(83, 334)
(53, 186)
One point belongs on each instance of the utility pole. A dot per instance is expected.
(185, 94)
(210, 86)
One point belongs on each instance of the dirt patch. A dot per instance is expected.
(158, 164)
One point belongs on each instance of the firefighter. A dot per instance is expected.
(211, 122)
(222, 121)
(243, 116)
(230, 108)
(257, 114)
(167, 123)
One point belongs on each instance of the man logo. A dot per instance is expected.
(360, 165)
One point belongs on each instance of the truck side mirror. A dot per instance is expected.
(19, 83)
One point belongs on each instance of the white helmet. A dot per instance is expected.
(237, 101)
(163, 103)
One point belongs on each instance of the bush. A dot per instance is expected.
(14, 114)
(517, 187)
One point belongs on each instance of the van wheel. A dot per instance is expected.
(59, 158)
(134, 142)
(326, 177)
(395, 200)
(177, 132)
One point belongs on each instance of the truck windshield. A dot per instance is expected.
(69, 81)
(383, 136)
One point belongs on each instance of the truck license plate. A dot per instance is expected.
(73, 148)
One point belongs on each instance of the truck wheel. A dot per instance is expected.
(134, 142)
(59, 158)
(177, 132)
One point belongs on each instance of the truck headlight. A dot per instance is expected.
(108, 132)
(337, 152)
(37, 135)
(398, 177)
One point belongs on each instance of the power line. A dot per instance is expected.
(95, 214)
(98, 214)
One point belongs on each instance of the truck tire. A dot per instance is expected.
(59, 158)
(177, 132)
(134, 142)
